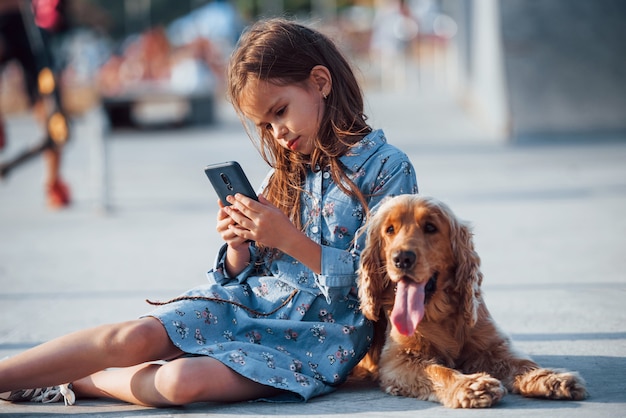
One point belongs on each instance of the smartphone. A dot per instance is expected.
(228, 179)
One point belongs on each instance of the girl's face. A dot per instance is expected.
(291, 114)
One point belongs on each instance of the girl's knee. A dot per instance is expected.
(177, 381)
(204, 379)
(138, 340)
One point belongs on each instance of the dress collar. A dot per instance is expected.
(356, 156)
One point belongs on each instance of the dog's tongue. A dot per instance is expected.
(408, 308)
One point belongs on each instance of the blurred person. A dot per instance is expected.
(25, 28)
(393, 28)
(152, 57)
(279, 318)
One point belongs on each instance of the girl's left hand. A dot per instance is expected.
(260, 221)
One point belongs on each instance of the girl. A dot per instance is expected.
(279, 317)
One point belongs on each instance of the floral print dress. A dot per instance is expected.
(277, 322)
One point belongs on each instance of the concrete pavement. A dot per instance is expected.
(548, 220)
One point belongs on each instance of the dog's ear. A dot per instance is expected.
(468, 277)
(372, 277)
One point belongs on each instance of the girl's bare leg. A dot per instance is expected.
(179, 382)
(83, 353)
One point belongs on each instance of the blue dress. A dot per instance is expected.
(277, 322)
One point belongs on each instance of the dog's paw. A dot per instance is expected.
(475, 391)
(396, 391)
(551, 384)
(409, 390)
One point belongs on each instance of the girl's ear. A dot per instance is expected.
(321, 78)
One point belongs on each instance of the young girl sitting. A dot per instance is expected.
(279, 317)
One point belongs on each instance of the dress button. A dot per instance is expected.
(314, 229)
(326, 174)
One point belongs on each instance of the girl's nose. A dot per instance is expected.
(280, 131)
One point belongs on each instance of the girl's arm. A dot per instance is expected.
(266, 224)
(302, 248)
(236, 260)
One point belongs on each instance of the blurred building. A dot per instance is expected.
(538, 70)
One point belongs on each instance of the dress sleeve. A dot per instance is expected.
(394, 175)
(218, 273)
(338, 274)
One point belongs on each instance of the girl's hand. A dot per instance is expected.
(223, 227)
(259, 221)
(237, 253)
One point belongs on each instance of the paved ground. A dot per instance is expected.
(549, 223)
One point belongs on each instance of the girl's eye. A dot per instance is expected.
(280, 111)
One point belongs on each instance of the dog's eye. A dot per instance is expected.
(390, 230)
(430, 228)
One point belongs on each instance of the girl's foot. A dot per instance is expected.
(44, 395)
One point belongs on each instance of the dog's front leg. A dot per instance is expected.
(437, 383)
(523, 376)
(550, 384)
(457, 390)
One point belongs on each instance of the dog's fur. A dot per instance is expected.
(452, 352)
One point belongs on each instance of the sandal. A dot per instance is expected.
(44, 395)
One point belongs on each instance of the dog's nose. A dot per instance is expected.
(403, 259)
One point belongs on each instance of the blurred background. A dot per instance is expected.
(525, 70)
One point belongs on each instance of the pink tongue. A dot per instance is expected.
(408, 308)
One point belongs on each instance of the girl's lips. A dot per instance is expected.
(292, 144)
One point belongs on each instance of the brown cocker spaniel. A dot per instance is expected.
(420, 274)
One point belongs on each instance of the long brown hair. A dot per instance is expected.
(284, 52)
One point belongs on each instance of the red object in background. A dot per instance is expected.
(48, 14)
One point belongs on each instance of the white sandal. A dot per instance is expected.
(43, 395)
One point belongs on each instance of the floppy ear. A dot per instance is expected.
(468, 277)
(372, 277)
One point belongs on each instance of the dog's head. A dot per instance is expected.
(418, 259)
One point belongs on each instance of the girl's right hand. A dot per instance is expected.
(237, 254)
(224, 222)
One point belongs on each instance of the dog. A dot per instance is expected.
(419, 276)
